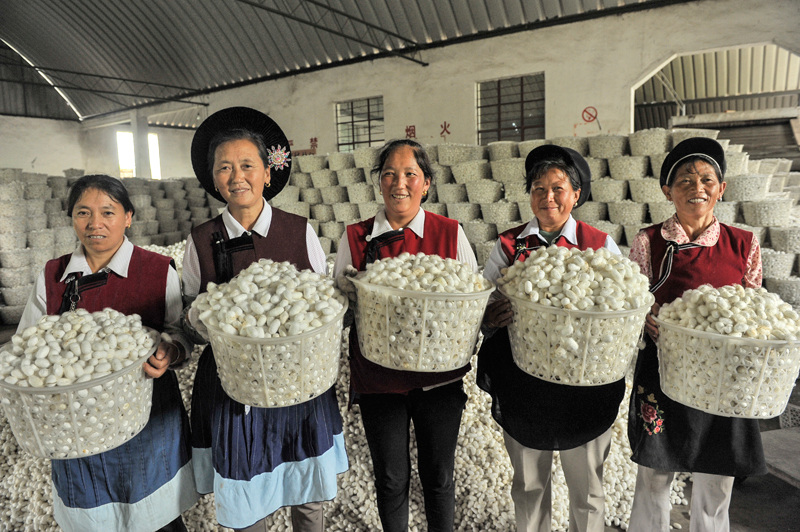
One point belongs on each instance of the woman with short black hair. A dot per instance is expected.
(144, 484)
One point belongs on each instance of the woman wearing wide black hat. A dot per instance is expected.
(539, 417)
(690, 249)
(256, 460)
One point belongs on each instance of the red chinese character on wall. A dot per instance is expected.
(445, 130)
(313, 143)
(411, 132)
(291, 142)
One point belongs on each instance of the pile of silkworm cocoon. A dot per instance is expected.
(175, 251)
(734, 311)
(74, 347)
(595, 280)
(270, 300)
(425, 273)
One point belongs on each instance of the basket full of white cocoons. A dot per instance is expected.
(731, 351)
(578, 315)
(73, 385)
(276, 333)
(420, 312)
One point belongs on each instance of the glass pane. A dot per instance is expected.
(510, 115)
(376, 108)
(487, 118)
(511, 134)
(531, 133)
(533, 86)
(487, 94)
(510, 90)
(486, 137)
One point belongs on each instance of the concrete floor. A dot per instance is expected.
(759, 504)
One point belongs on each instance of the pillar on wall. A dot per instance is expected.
(141, 146)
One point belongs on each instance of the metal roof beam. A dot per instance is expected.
(369, 30)
(99, 91)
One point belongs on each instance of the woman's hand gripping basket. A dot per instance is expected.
(73, 386)
(731, 351)
(419, 312)
(276, 333)
(578, 315)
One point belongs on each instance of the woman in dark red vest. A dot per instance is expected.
(537, 416)
(690, 249)
(144, 484)
(255, 460)
(390, 399)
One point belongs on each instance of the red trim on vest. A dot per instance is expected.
(724, 263)
(441, 238)
(588, 237)
(143, 292)
(285, 242)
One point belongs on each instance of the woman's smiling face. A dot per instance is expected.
(695, 190)
(402, 185)
(239, 173)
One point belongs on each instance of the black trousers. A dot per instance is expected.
(436, 414)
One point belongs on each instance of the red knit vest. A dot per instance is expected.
(722, 264)
(285, 242)
(588, 237)
(441, 238)
(142, 292)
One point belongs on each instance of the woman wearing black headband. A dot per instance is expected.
(539, 417)
(688, 250)
(256, 460)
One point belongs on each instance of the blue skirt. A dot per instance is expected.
(139, 486)
(258, 460)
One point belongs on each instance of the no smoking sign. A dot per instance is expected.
(589, 114)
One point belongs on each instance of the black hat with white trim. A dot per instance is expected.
(707, 149)
(278, 152)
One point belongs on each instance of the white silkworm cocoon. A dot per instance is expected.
(433, 273)
(270, 299)
(571, 278)
(58, 359)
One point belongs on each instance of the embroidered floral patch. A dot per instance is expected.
(650, 413)
(278, 157)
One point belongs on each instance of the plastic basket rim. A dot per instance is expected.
(576, 312)
(53, 390)
(755, 342)
(419, 294)
(281, 339)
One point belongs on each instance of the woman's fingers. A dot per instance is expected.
(159, 362)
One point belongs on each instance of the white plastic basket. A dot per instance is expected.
(574, 347)
(418, 331)
(82, 419)
(724, 375)
(278, 372)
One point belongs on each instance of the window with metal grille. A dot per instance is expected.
(359, 123)
(511, 109)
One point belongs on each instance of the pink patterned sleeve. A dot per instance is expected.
(640, 254)
(752, 279)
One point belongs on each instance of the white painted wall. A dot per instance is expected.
(595, 63)
(39, 145)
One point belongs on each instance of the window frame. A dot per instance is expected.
(528, 128)
(374, 126)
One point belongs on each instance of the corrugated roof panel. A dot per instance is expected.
(198, 45)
